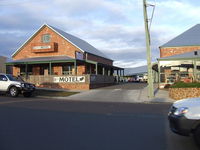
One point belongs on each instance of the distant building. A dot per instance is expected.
(139, 74)
(2, 64)
(180, 58)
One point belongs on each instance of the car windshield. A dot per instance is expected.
(14, 78)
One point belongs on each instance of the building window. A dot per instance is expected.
(46, 38)
(67, 70)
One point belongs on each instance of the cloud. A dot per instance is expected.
(113, 26)
(130, 64)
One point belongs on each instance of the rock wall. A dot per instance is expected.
(181, 93)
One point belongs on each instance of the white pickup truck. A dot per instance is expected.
(184, 118)
(15, 86)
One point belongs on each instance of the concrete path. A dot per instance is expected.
(130, 92)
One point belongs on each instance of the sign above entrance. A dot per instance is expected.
(42, 47)
(69, 79)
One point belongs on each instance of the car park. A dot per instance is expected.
(15, 86)
(184, 118)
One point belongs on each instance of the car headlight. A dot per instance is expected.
(22, 85)
(181, 111)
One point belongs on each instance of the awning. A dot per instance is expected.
(39, 60)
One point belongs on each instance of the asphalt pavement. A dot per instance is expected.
(125, 92)
(50, 124)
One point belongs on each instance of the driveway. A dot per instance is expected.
(127, 92)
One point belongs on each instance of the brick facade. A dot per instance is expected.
(99, 59)
(16, 71)
(57, 46)
(74, 86)
(65, 48)
(170, 51)
(2, 64)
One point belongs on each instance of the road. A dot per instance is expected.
(48, 124)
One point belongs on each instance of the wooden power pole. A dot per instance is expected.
(148, 51)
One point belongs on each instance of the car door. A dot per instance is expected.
(4, 83)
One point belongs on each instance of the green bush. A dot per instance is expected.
(185, 85)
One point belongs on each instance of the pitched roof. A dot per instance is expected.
(184, 55)
(135, 71)
(79, 43)
(191, 37)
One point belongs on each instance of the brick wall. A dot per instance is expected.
(99, 59)
(57, 70)
(64, 47)
(16, 71)
(36, 70)
(2, 64)
(81, 69)
(169, 51)
(74, 86)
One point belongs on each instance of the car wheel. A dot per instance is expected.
(197, 135)
(27, 94)
(13, 91)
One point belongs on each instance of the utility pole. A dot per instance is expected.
(148, 51)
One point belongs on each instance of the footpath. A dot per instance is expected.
(120, 95)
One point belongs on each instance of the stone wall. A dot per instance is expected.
(181, 93)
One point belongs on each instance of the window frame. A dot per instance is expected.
(46, 38)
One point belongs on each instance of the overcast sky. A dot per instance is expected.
(113, 26)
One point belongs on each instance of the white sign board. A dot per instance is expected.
(69, 79)
(42, 47)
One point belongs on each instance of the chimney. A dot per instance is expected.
(195, 53)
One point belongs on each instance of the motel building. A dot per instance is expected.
(53, 58)
(180, 58)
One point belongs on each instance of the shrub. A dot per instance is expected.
(185, 85)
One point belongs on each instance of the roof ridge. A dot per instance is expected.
(59, 31)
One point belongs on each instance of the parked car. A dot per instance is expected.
(184, 118)
(141, 78)
(15, 86)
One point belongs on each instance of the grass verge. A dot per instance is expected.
(185, 85)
